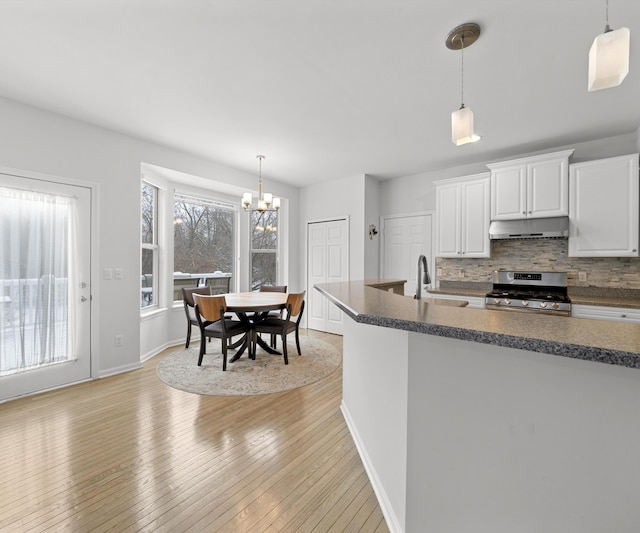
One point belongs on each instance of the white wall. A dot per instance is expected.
(39, 141)
(337, 198)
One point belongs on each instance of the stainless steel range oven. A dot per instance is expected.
(531, 292)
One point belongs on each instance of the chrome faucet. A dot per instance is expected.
(422, 262)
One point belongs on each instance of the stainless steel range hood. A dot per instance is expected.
(530, 228)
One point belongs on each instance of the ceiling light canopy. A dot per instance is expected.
(265, 201)
(609, 57)
(462, 129)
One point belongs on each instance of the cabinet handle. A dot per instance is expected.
(524, 212)
(623, 316)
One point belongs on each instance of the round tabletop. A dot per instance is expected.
(255, 301)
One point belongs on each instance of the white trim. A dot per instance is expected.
(381, 495)
(120, 369)
(94, 255)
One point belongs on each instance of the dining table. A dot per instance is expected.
(250, 307)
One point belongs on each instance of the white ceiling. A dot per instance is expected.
(324, 88)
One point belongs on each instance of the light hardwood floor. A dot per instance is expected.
(129, 453)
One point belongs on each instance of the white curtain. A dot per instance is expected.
(36, 279)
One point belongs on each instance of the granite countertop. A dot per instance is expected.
(615, 343)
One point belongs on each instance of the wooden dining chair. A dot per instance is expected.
(189, 305)
(212, 322)
(290, 322)
(273, 314)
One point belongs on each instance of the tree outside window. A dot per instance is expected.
(264, 248)
(204, 236)
(149, 245)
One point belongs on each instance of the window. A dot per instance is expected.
(149, 244)
(264, 248)
(204, 242)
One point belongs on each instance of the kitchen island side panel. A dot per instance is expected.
(503, 440)
(374, 402)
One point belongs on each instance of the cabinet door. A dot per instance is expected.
(475, 218)
(448, 220)
(603, 208)
(508, 192)
(617, 314)
(548, 188)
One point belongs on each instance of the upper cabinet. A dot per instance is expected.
(462, 217)
(603, 209)
(531, 187)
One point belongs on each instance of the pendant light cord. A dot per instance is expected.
(462, 71)
(607, 28)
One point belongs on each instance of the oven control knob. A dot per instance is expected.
(543, 305)
(496, 301)
(555, 305)
(507, 301)
(525, 303)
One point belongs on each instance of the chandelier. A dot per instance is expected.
(266, 201)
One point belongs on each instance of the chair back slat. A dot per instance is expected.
(294, 303)
(273, 288)
(209, 306)
(187, 294)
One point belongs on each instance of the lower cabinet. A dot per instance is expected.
(597, 312)
(474, 301)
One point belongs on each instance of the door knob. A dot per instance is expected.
(83, 298)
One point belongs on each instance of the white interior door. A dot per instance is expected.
(45, 298)
(405, 239)
(327, 261)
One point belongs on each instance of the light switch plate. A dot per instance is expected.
(107, 273)
(118, 273)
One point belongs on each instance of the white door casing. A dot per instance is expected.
(78, 368)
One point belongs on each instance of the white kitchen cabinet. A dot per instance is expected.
(597, 312)
(603, 208)
(476, 302)
(531, 187)
(462, 217)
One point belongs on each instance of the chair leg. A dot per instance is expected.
(224, 353)
(298, 342)
(203, 346)
(284, 349)
(188, 334)
(274, 341)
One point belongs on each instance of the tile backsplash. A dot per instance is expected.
(544, 255)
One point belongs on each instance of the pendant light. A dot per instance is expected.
(609, 57)
(462, 131)
(266, 200)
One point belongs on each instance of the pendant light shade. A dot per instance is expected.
(462, 131)
(462, 127)
(609, 59)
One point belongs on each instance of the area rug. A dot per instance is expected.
(245, 377)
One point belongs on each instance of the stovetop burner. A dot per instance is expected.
(529, 291)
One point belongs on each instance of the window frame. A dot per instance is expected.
(208, 199)
(153, 246)
(276, 251)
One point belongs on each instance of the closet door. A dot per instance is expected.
(327, 261)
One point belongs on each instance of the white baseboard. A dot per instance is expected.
(119, 369)
(383, 500)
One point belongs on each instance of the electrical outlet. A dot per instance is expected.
(582, 276)
(461, 273)
(119, 340)
(439, 272)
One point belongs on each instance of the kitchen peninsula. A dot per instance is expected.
(477, 420)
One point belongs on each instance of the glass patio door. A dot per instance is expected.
(45, 298)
